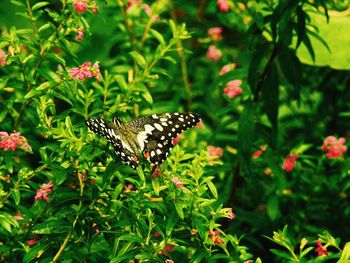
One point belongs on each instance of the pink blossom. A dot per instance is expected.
(43, 191)
(176, 140)
(156, 173)
(227, 68)
(177, 182)
(156, 234)
(80, 34)
(215, 33)
(259, 152)
(200, 124)
(96, 71)
(131, 3)
(80, 6)
(3, 58)
(214, 236)
(233, 88)
(128, 187)
(169, 261)
(167, 249)
(93, 7)
(215, 152)
(229, 214)
(334, 147)
(86, 71)
(321, 250)
(289, 162)
(213, 53)
(17, 218)
(12, 141)
(223, 6)
(147, 9)
(32, 242)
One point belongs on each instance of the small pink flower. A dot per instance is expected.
(156, 173)
(215, 33)
(223, 6)
(176, 140)
(334, 147)
(80, 34)
(177, 182)
(229, 214)
(289, 162)
(147, 9)
(213, 53)
(12, 141)
(227, 68)
(17, 218)
(167, 249)
(45, 189)
(80, 6)
(259, 152)
(94, 7)
(86, 71)
(321, 250)
(3, 58)
(169, 261)
(128, 187)
(200, 124)
(215, 152)
(32, 242)
(156, 234)
(131, 3)
(214, 236)
(233, 88)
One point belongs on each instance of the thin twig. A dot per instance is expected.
(183, 59)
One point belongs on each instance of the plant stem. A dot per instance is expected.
(65, 242)
(264, 73)
(183, 61)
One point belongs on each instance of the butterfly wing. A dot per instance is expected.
(109, 132)
(154, 133)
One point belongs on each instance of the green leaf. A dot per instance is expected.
(140, 60)
(172, 27)
(49, 74)
(212, 187)
(179, 209)
(270, 97)
(290, 66)
(52, 226)
(16, 195)
(246, 127)
(273, 209)
(7, 221)
(31, 93)
(158, 36)
(39, 5)
(257, 64)
(282, 254)
(35, 252)
(345, 255)
(171, 223)
(131, 238)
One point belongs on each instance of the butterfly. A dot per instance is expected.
(152, 136)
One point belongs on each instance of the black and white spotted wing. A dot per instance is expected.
(151, 135)
(110, 132)
(155, 133)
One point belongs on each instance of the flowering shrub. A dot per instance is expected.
(255, 163)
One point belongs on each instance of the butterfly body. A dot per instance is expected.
(149, 137)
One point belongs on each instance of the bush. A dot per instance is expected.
(269, 82)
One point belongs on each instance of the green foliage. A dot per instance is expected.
(64, 195)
